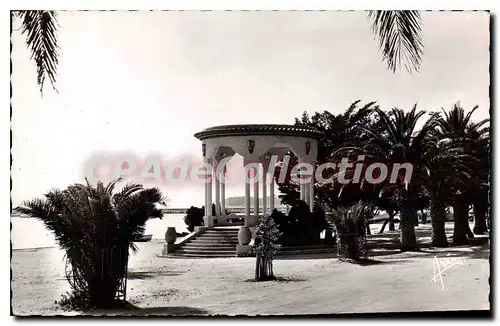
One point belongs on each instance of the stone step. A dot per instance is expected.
(227, 235)
(211, 246)
(216, 238)
(294, 248)
(207, 245)
(204, 254)
(207, 250)
(194, 256)
(221, 233)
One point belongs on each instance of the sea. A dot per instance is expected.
(30, 233)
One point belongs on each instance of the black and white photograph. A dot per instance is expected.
(251, 163)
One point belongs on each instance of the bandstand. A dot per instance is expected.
(257, 144)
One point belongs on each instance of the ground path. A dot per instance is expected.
(396, 282)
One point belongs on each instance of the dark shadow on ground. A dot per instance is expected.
(388, 244)
(279, 279)
(477, 252)
(473, 252)
(307, 256)
(128, 309)
(132, 275)
(371, 262)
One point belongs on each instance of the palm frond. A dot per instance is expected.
(399, 36)
(40, 28)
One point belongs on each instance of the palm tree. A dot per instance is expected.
(448, 168)
(457, 127)
(96, 227)
(399, 34)
(481, 199)
(339, 130)
(479, 139)
(399, 142)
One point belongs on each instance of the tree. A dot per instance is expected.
(480, 195)
(457, 127)
(398, 142)
(339, 130)
(448, 168)
(265, 247)
(387, 204)
(96, 227)
(398, 33)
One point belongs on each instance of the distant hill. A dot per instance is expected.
(240, 201)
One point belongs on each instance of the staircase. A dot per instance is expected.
(213, 243)
(221, 242)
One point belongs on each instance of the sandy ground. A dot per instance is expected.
(396, 282)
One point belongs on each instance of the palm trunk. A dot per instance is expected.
(438, 219)
(349, 237)
(257, 267)
(328, 237)
(263, 269)
(110, 266)
(461, 227)
(423, 216)
(479, 220)
(408, 238)
(391, 220)
(383, 226)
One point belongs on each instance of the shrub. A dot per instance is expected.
(300, 227)
(320, 224)
(350, 233)
(265, 247)
(194, 217)
(95, 226)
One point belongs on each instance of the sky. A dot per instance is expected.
(145, 82)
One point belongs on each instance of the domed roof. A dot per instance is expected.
(259, 130)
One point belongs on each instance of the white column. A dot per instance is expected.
(306, 194)
(264, 194)
(311, 187)
(223, 193)
(307, 189)
(256, 195)
(209, 222)
(217, 194)
(302, 185)
(271, 193)
(311, 196)
(209, 197)
(206, 198)
(247, 198)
